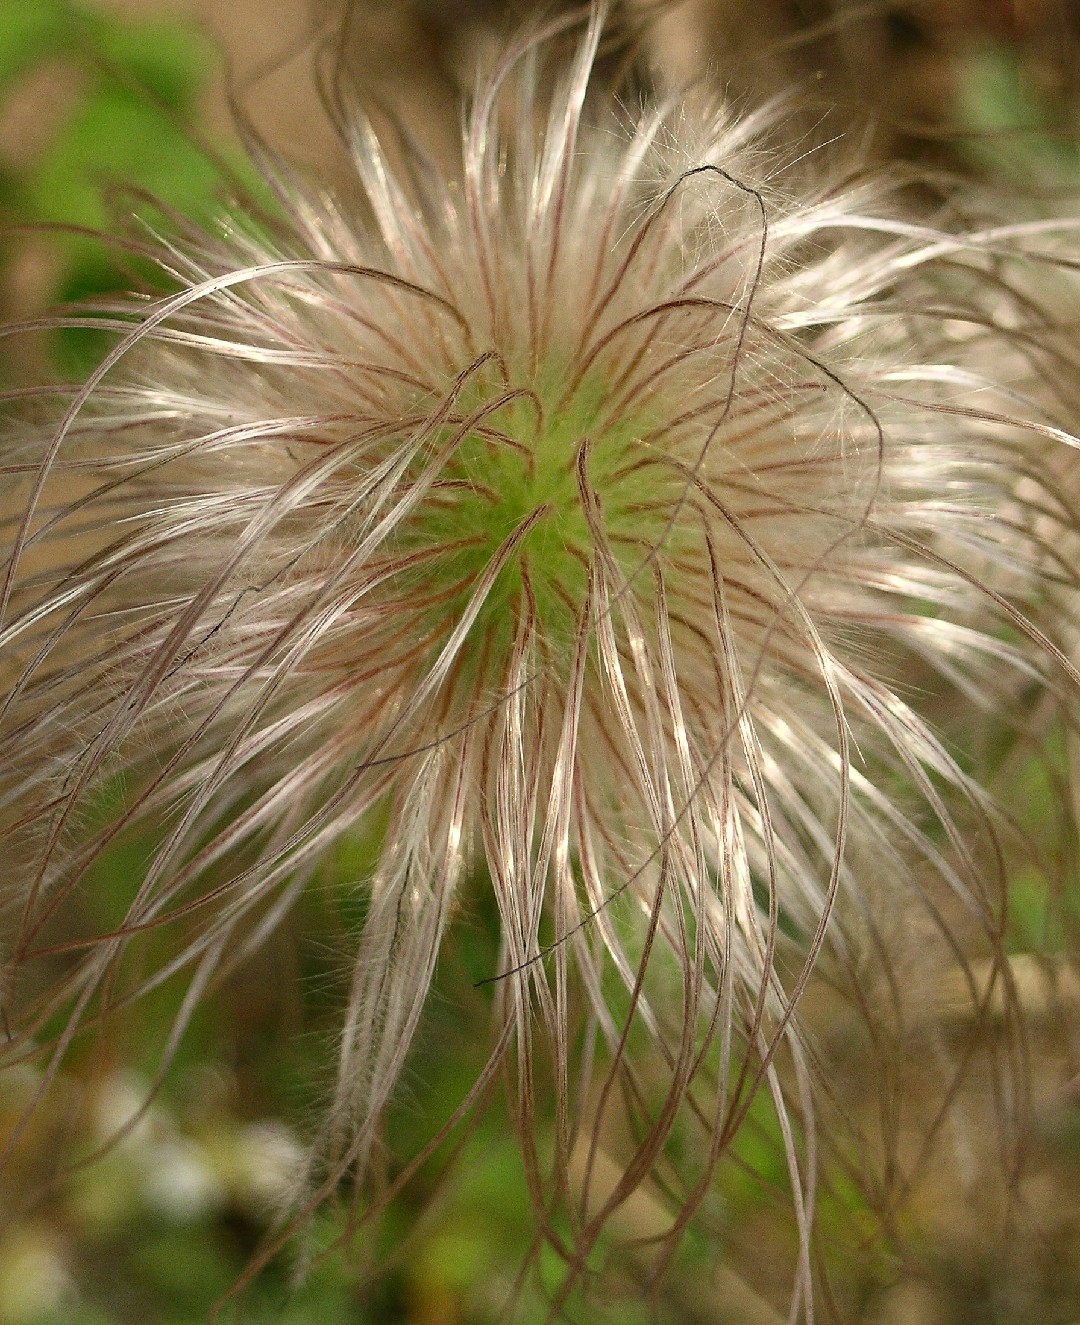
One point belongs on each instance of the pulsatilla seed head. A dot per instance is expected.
(579, 518)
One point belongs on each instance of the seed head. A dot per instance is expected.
(617, 523)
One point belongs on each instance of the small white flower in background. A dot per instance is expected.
(618, 520)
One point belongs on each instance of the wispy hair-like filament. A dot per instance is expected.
(615, 530)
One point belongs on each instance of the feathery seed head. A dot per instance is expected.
(579, 516)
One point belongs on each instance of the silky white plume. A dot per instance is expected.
(616, 522)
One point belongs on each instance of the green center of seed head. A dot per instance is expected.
(521, 463)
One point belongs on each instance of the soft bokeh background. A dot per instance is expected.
(98, 97)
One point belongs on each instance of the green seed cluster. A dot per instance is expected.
(540, 459)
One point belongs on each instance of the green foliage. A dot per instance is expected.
(128, 129)
(1011, 130)
(1044, 886)
(29, 32)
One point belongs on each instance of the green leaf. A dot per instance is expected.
(1011, 127)
(30, 30)
(112, 143)
(168, 59)
(115, 140)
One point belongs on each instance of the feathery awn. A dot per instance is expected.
(615, 522)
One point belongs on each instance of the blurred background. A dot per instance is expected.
(97, 99)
